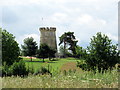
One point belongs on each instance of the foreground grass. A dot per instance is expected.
(68, 80)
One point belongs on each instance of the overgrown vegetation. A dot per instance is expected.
(17, 69)
(67, 80)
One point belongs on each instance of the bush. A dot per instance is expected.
(81, 64)
(30, 70)
(68, 54)
(6, 70)
(18, 68)
(42, 71)
(80, 52)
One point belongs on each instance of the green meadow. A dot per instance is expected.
(54, 65)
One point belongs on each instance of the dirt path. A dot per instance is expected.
(68, 66)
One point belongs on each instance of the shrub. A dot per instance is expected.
(68, 54)
(81, 64)
(65, 72)
(30, 70)
(6, 71)
(80, 52)
(42, 71)
(18, 68)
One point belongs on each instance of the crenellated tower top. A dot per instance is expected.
(47, 29)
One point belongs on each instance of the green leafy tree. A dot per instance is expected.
(68, 38)
(102, 54)
(80, 52)
(30, 47)
(10, 49)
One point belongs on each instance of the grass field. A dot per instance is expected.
(53, 65)
(69, 79)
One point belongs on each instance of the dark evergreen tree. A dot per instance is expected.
(30, 47)
(46, 52)
(43, 51)
(68, 38)
(51, 53)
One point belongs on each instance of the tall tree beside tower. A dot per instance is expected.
(68, 38)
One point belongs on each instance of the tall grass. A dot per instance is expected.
(69, 79)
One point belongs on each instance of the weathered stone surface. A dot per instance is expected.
(48, 36)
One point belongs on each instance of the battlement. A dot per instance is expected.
(47, 29)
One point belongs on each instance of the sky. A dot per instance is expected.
(85, 18)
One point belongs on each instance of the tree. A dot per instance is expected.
(51, 53)
(43, 51)
(10, 49)
(80, 52)
(30, 47)
(102, 54)
(46, 52)
(68, 38)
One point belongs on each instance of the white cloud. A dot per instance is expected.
(84, 19)
(35, 36)
(89, 21)
(59, 17)
(113, 37)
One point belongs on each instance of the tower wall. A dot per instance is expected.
(48, 36)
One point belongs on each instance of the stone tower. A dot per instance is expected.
(48, 36)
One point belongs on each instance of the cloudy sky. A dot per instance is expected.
(85, 18)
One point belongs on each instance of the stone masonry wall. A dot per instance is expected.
(48, 36)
